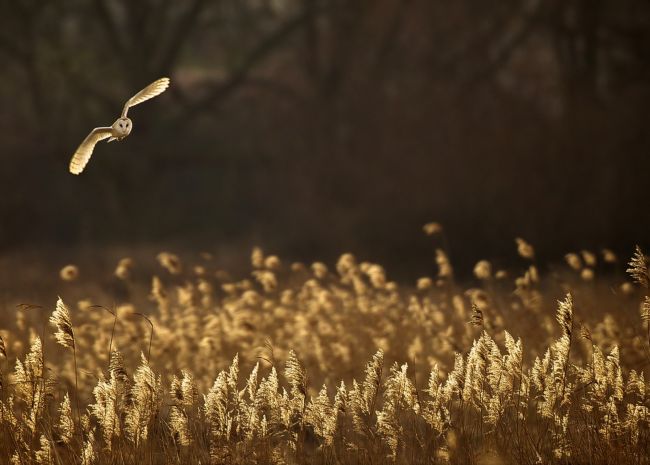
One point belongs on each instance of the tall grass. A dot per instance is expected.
(303, 364)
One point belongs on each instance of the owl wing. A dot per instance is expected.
(152, 90)
(85, 150)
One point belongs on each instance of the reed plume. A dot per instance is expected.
(64, 335)
(638, 268)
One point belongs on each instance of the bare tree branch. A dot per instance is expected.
(180, 35)
(222, 90)
(115, 39)
(518, 27)
(348, 30)
(501, 53)
(387, 42)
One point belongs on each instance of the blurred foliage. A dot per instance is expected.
(518, 118)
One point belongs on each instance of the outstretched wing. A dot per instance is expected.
(85, 150)
(152, 90)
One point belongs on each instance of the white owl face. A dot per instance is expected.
(122, 127)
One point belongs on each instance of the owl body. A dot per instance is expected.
(119, 130)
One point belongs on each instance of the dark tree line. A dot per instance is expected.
(511, 116)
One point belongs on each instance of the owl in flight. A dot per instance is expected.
(120, 128)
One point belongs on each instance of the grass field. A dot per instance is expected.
(330, 364)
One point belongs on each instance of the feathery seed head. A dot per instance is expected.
(565, 315)
(66, 423)
(123, 269)
(574, 261)
(432, 228)
(170, 262)
(638, 268)
(589, 258)
(61, 320)
(88, 456)
(585, 333)
(587, 274)
(319, 269)
(69, 273)
(272, 262)
(609, 256)
(257, 258)
(524, 249)
(445, 270)
(477, 316)
(45, 455)
(645, 310)
(296, 373)
(483, 270)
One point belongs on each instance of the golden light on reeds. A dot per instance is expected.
(483, 270)
(61, 320)
(297, 365)
(432, 228)
(524, 249)
(170, 262)
(574, 261)
(69, 273)
(124, 268)
(638, 267)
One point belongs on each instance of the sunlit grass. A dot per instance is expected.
(315, 364)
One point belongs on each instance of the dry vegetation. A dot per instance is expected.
(305, 364)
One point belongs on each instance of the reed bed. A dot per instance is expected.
(310, 364)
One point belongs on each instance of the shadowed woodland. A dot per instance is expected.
(315, 126)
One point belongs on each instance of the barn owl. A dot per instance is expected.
(119, 130)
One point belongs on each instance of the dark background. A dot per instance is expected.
(314, 127)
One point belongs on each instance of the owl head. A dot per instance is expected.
(122, 127)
